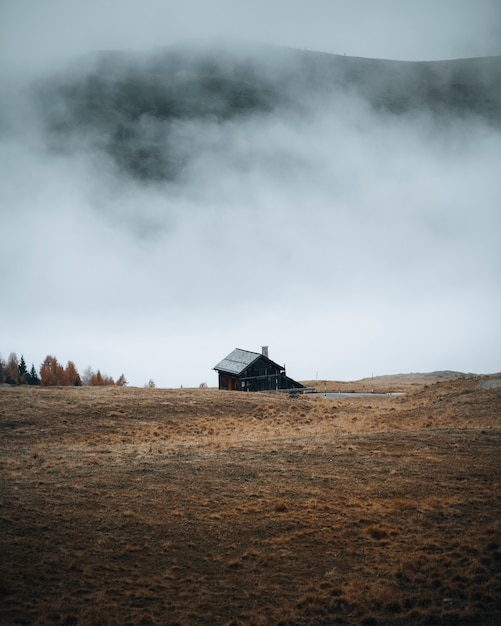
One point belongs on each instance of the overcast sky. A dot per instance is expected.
(350, 245)
(32, 31)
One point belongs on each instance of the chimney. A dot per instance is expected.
(264, 351)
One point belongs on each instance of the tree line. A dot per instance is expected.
(52, 373)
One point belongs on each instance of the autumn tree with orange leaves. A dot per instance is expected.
(52, 373)
(72, 376)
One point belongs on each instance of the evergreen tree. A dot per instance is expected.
(33, 378)
(23, 371)
(3, 367)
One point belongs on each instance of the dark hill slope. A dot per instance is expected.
(128, 103)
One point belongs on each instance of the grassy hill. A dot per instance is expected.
(157, 506)
(387, 383)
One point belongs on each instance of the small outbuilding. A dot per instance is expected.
(243, 370)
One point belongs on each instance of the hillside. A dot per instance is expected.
(155, 506)
(132, 106)
(387, 383)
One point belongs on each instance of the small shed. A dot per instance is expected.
(243, 370)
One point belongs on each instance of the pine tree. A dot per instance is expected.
(32, 378)
(23, 371)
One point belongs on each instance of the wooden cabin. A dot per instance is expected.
(242, 370)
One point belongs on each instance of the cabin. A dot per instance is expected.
(243, 370)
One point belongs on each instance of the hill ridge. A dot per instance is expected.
(108, 96)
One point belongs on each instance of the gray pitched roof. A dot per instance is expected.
(237, 361)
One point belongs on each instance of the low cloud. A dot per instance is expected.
(349, 240)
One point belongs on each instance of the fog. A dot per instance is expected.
(33, 31)
(351, 241)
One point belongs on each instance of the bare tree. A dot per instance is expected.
(12, 370)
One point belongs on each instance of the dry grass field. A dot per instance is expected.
(198, 507)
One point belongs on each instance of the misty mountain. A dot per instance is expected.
(144, 110)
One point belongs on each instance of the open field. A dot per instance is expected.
(151, 506)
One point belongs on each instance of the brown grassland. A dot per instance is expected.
(196, 507)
